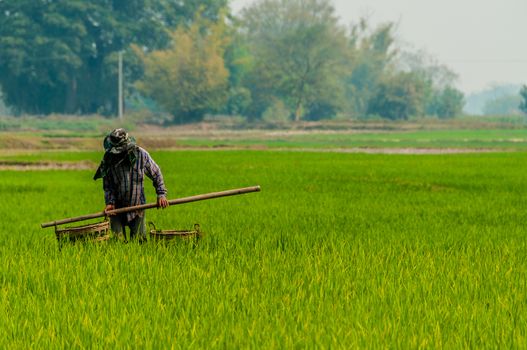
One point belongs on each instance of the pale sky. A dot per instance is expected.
(483, 41)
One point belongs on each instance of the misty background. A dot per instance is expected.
(479, 40)
(272, 60)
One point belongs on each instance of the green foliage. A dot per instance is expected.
(3, 108)
(338, 250)
(299, 52)
(61, 56)
(189, 79)
(373, 56)
(446, 103)
(238, 58)
(319, 110)
(277, 112)
(239, 62)
(398, 97)
(441, 98)
(173, 13)
(523, 103)
(239, 101)
(193, 58)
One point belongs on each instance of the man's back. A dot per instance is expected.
(123, 169)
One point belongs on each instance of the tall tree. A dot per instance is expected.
(189, 79)
(445, 103)
(441, 98)
(239, 62)
(299, 52)
(60, 56)
(523, 103)
(374, 54)
(398, 97)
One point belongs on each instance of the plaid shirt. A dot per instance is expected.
(123, 185)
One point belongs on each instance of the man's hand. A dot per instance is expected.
(162, 202)
(108, 208)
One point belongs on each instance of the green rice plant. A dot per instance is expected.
(337, 251)
(498, 139)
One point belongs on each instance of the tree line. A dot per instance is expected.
(276, 60)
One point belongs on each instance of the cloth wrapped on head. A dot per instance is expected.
(118, 147)
(117, 141)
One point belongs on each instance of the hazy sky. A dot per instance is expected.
(484, 41)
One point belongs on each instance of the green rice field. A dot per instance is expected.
(337, 251)
(367, 136)
(504, 139)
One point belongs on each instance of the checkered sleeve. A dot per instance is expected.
(153, 171)
(109, 189)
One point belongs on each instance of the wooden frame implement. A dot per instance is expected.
(171, 202)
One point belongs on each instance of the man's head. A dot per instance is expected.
(117, 141)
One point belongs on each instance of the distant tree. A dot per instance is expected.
(441, 98)
(239, 62)
(446, 103)
(173, 13)
(373, 58)
(426, 66)
(299, 52)
(238, 101)
(276, 112)
(60, 56)
(523, 94)
(3, 109)
(398, 97)
(189, 79)
(503, 105)
(319, 110)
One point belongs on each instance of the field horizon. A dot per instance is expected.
(421, 136)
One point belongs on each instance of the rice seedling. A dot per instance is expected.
(337, 251)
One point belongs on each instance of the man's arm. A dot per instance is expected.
(153, 171)
(109, 194)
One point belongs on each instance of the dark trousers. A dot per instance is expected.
(137, 227)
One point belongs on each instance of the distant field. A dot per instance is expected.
(86, 133)
(173, 138)
(472, 139)
(337, 251)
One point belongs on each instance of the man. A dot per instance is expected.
(122, 170)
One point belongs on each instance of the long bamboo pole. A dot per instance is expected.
(196, 198)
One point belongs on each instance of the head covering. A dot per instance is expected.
(119, 148)
(117, 141)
